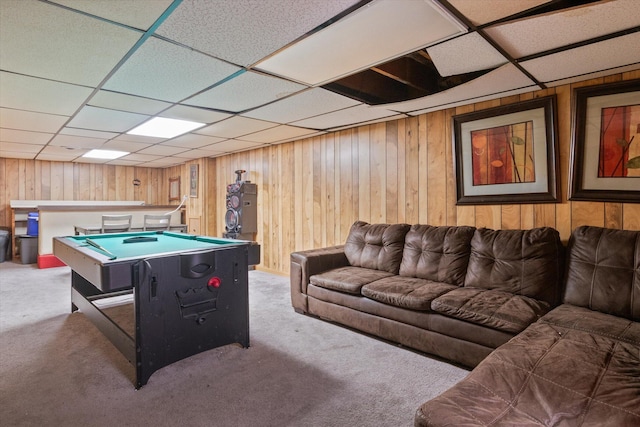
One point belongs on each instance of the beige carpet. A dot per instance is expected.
(57, 369)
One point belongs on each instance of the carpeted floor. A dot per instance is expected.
(57, 369)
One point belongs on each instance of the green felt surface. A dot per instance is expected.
(167, 242)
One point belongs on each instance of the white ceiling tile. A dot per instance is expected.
(61, 153)
(236, 126)
(88, 133)
(168, 72)
(478, 99)
(20, 147)
(76, 141)
(130, 103)
(55, 157)
(197, 154)
(95, 118)
(301, 106)
(52, 149)
(232, 145)
(383, 119)
(478, 55)
(192, 140)
(136, 157)
(89, 160)
(164, 162)
(27, 120)
(127, 146)
(376, 33)
(256, 28)
(162, 150)
(245, 91)
(357, 114)
(485, 11)
(545, 32)
(17, 154)
(12, 135)
(62, 45)
(122, 162)
(135, 13)
(604, 73)
(39, 95)
(194, 114)
(149, 140)
(503, 79)
(279, 133)
(611, 53)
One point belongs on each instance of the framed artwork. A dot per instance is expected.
(193, 180)
(605, 152)
(174, 189)
(507, 154)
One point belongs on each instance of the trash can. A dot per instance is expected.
(5, 239)
(28, 247)
(32, 224)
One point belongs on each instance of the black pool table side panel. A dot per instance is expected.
(181, 316)
(177, 315)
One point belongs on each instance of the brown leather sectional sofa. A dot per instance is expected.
(579, 365)
(564, 356)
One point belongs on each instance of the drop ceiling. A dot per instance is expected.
(76, 75)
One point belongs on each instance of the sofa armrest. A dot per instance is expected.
(305, 264)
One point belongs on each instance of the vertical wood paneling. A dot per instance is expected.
(402, 170)
(391, 187)
(412, 171)
(423, 169)
(436, 202)
(310, 191)
(364, 173)
(378, 167)
(5, 215)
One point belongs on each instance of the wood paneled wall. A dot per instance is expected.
(311, 191)
(43, 180)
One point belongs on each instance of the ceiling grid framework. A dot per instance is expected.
(78, 75)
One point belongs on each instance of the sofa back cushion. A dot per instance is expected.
(522, 262)
(376, 246)
(603, 271)
(437, 253)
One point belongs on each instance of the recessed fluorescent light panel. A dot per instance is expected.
(161, 127)
(105, 154)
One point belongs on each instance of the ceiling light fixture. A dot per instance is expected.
(160, 127)
(105, 154)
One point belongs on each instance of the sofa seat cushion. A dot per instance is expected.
(347, 279)
(496, 309)
(406, 292)
(551, 375)
(600, 324)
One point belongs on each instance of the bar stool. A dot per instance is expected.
(116, 223)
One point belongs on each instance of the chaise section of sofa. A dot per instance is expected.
(411, 285)
(579, 365)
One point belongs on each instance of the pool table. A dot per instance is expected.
(190, 293)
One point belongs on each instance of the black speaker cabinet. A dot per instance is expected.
(241, 218)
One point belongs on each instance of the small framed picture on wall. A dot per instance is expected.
(193, 180)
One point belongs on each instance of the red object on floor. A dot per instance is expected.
(49, 260)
